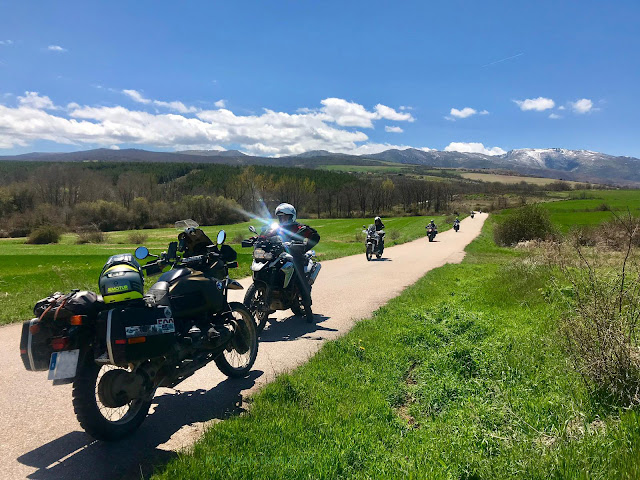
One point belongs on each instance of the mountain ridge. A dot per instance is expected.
(566, 164)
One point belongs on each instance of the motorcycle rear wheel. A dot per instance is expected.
(231, 362)
(98, 420)
(254, 295)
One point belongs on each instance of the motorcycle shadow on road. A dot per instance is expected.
(77, 455)
(294, 327)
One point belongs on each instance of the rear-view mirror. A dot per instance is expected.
(142, 253)
(222, 235)
(252, 229)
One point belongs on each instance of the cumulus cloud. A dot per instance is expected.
(177, 106)
(6, 42)
(464, 113)
(272, 133)
(405, 107)
(473, 148)
(539, 104)
(389, 113)
(36, 101)
(555, 116)
(220, 103)
(394, 129)
(56, 48)
(584, 105)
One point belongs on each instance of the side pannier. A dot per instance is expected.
(135, 334)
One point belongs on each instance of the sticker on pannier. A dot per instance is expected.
(163, 325)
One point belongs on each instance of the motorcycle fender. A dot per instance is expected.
(257, 266)
(288, 270)
(234, 285)
(315, 270)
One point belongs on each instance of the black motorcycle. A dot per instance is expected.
(374, 243)
(117, 349)
(431, 232)
(274, 287)
(456, 226)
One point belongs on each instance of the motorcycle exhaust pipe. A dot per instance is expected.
(314, 273)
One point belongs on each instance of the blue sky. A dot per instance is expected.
(276, 78)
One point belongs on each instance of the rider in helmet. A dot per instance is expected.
(302, 238)
(432, 225)
(379, 228)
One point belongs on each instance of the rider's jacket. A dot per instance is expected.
(379, 226)
(298, 232)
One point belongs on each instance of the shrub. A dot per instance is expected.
(45, 234)
(137, 238)
(531, 222)
(90, 234)
(601, 332)
(393, 235)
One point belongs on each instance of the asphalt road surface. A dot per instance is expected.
(41, 439)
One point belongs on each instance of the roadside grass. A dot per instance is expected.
(459, 377)
(511, 179)
(30, 272)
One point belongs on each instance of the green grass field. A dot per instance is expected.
(30, 272)
(461, 377)
(509, 179)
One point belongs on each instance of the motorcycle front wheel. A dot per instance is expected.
(98, 420)
(369, 252)
(254, 300)
(238, 358)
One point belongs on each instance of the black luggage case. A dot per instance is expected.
(138, 333)
(35, 347)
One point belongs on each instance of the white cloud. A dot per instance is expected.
(390, 114)
(473, 148)
(561, 107)
(405, 107)
(177, 106)
(555, 116)
(34, 100)
(35, 117)
(371, 148)
(114, 147)
(6, 43)
(220, 103)
(393, 129)
(56, 48)
(464, 113)
(539, 104)
(584, 105)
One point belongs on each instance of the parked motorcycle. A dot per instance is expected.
(118, 348)
(431, 232)
(374, 243)
(274, 287)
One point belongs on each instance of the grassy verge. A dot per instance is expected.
(30, 272)
(459, 377)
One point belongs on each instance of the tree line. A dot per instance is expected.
(116, 196)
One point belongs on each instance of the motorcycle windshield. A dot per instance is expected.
(182, 225)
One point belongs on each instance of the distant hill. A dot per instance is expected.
(579, 165)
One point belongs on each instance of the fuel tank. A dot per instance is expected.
(189, 293)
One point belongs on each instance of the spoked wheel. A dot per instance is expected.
(239, 356)
(369, 252)
(254, 300)
(102, 410)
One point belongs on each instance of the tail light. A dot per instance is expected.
(76, 320)
(60, 343)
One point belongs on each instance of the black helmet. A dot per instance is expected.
(121, 279)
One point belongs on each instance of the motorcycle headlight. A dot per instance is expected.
(259, 254)
(268, 256)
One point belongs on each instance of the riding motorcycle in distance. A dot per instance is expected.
(431, 232)
(274, 286)
(118, 348)
(456, 225)
(374, 244)
(472, 214)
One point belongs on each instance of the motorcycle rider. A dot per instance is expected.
(432, 225)
(303, 238)
(456, 224)
(379, 227)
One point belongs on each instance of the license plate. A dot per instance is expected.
(63, 365)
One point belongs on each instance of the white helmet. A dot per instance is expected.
(286, 209)
(377, 218)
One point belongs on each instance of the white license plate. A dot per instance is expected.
(63, 365)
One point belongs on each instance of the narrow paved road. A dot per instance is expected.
(41, 439)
